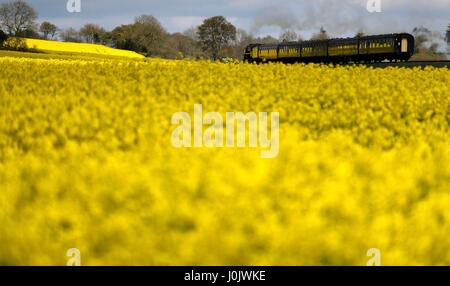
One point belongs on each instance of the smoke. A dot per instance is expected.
(344, 17)
(338, 17)
(436, 42)
(427, 40)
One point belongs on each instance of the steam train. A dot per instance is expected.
(364, 49)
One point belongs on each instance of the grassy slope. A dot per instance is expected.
(59, 55)
(78, 48)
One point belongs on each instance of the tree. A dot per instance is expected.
(30, 33)
(48, 29)
(322, 35)
(214, 34)
(242, 40)
(17, 17)
(178, 46)
(447, 34)
(192, 33)
(447, 37)
(3, 37)
(288, 36)
(106, 38)
(146, 35)
(267, 40)
(70, 35)
(92, 33)
(122, 38)
(149, 35)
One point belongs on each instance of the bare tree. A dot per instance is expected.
(215, 33)
(92, 33)
(192, 33)
(70, 35)
(288, 36)
(179, 46)
(360, 34)
(267, 40)
(17, 16)
(242, 40)
(447, 34)
(48, 29)
(447, 37)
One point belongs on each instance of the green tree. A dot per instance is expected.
(214, 34)
(122, 38)
(146, 35)
(17, 16)
(48, 30)
(3, 37)
(149, 35)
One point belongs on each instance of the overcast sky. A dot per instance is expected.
(339, 17)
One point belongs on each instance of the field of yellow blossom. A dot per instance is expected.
(78, 48)
(86, 162)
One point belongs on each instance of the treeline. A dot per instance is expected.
(214, 38)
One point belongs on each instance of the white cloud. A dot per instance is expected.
(181, 23)
(339, 16)
(346, 17)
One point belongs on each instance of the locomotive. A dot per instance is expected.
(363, 49)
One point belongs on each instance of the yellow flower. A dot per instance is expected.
(86, 162)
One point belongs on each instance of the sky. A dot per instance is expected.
(260, 17)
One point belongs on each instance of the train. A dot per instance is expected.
(361, 49)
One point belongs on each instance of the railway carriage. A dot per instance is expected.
(392, 47)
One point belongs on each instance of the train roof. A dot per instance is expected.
(333, 39)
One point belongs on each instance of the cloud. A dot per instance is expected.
(345, 17)
(183, 22)
(338, 16)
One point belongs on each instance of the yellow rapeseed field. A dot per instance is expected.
(86, 162)
(78, 48)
